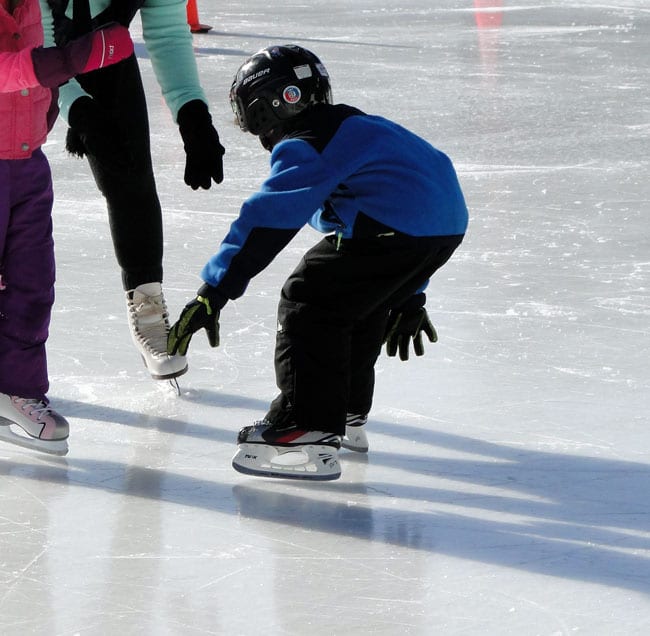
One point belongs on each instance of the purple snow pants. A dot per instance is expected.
(27, 270)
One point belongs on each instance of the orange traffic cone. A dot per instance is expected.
(193, 18)
(488, 13)
(489, 17)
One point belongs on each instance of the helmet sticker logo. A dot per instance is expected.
(303, 71)
(322, 70)
(291, 94)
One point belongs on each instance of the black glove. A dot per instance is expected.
(92, 132)
(407, 323)
(200, 313)
(204, 153)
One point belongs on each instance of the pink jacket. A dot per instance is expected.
(24, 104)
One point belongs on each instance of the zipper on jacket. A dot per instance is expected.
(339, 238)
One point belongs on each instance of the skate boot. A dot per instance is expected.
(355, 438)
(149, 324)
(287, 452)
(33, 424)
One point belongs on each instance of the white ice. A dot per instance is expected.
(507, 487)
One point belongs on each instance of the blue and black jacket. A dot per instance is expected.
(343, 172)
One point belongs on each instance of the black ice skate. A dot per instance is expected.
(288, 452)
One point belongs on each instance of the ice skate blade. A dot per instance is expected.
(57, 447)
(352, 446)
(169, 376)
(164, 376)
(312, 462)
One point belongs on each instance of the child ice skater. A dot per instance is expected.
(393, 212)
(29, 74)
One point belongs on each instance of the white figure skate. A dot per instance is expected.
(149, 325)
(32, 424)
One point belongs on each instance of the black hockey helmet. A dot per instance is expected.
(276, 84)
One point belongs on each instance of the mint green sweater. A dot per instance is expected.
(168, 41)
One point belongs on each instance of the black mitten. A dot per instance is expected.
(92, 131)
(204, 153)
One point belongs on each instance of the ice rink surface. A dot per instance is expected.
(507, 487)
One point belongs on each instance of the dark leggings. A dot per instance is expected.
(128, 184)
(332, 315)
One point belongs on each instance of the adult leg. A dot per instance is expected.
(128, 184)
(134, 212)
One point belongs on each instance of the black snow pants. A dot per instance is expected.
(332, 317)
(125, 176)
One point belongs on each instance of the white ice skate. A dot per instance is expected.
(355, 438)
(149, 325)
(289, 453)
(32, 424)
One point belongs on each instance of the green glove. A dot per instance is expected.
(406, 324)
(200, 313)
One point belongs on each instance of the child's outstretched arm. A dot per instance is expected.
(53, 66)
(104, 47)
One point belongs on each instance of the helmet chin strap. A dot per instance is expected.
(271, 137)
(267, 141)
